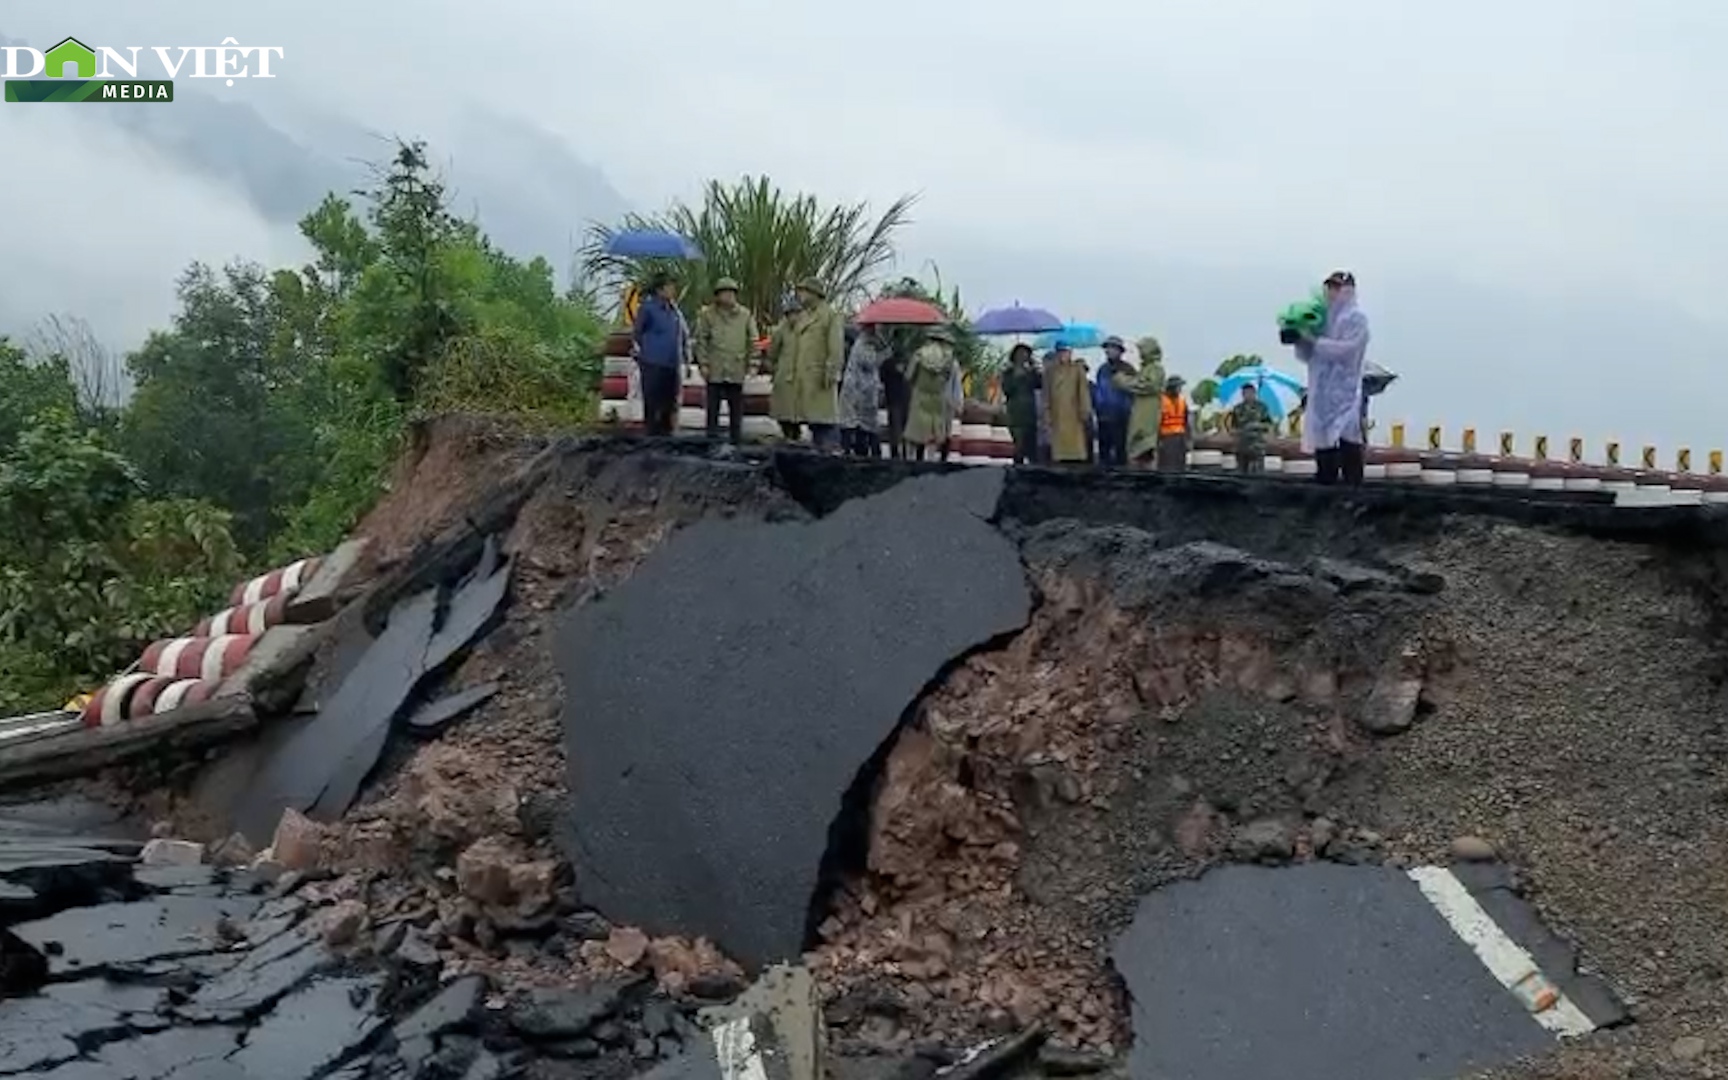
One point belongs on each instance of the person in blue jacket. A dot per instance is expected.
(660, 341)
(1112, 406)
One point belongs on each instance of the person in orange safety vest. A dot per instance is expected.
(1175, 427)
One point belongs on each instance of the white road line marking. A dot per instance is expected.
(735, 1051)
(1504, 958)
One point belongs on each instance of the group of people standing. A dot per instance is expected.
(828, 380)
(1120, 417)
(833, 381)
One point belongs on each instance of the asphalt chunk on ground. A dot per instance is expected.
(1311, 972)
(721, 703)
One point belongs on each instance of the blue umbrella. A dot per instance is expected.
(651, 244)
(1016, 320)
(1074, 335)
(1263, 379)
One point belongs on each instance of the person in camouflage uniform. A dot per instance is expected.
(1251, 420)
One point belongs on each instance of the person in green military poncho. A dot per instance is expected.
(933, 377)
(725, 338)
(1145, 390)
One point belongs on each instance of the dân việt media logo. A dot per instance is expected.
(74, 71)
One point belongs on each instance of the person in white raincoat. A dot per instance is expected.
(1332, 422)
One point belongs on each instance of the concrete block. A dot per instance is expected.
(275, 649)
(787, 999)
(319, 598)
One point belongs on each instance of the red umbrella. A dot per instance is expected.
(900, 311)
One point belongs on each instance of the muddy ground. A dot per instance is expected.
(1214, 671)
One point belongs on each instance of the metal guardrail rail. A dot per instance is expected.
(15, 730)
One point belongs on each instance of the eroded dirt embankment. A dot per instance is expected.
(1214, 671)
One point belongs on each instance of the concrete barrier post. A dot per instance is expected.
(1434, 439)
(1469, 440)
(1611, 452)
(1398, 435)
(1508, 442)
(1575, 450)
(1649, 457)
(1683, 460)
(1541, 453)
(1715, 463)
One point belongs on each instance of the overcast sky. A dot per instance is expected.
(1530, 192)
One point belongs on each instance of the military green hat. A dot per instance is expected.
(811, 285)
(725, 284)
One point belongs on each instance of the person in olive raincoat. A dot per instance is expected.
(807, 369)
(1067, 407)
(725, 338)
(1144, 388)
(933, 377)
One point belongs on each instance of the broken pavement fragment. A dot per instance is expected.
(318, 768)
(310, 1030)
(89, 939)
(722, 701)
(433, 717)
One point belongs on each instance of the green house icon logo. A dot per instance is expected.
(69, 53)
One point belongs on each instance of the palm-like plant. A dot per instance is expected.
(766, 239)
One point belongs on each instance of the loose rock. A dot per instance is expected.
(299, 841)
(163, 852)
(1473, 849)
(1268, 840)
(627, 945)
(1688, 1048)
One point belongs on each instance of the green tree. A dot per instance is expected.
(29, 388)
(267, 411)
(91, 569)
(414, 311)
(762, 237)
(213, 415)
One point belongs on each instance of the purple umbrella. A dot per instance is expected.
(1016, 320)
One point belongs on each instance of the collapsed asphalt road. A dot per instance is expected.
(1211, 672)
(728, 698)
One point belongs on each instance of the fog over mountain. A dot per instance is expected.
(1535, 214)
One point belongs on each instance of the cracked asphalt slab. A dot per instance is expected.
(1311, 972)
(804, 643)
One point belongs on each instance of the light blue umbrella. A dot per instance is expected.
(1263, 379)
(1074, 335)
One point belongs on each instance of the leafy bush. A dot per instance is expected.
(91, 569)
